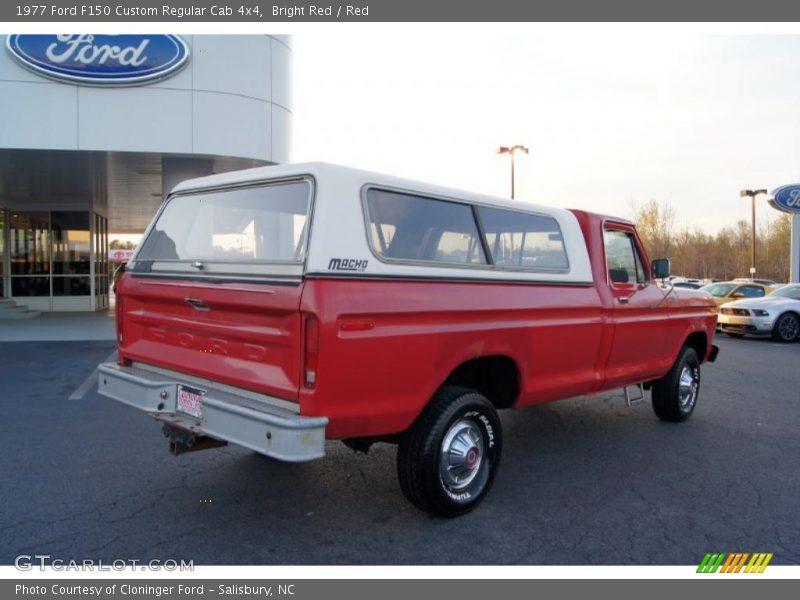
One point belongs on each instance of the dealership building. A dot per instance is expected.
(96, 129)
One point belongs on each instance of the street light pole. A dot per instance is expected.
(512, 176)
(511, 150)
(752, 194)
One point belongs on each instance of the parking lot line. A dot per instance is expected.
(90, 381)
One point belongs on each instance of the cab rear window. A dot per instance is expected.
(262, 224)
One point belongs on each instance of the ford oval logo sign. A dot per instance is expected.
(101, 59)
(787, 198)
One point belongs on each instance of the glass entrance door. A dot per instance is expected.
(29, 251)
(50, 257)
(101, 274)
(72, 286)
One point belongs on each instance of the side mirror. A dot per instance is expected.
(660, 268)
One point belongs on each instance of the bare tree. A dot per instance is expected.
(655, 221)
(722, 256)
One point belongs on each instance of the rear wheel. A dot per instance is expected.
(447, 460)
(787, 328)
(675, 396)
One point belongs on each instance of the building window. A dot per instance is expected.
(72, 286)
(3, 290)
(30, 243)
(71, 251)
(50, 253)
(30, 286)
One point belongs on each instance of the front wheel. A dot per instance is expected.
(448, 459)
(675, 396)
(787, 328)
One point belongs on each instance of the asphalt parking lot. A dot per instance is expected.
(584, 481)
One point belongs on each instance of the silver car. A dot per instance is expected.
(777, 314)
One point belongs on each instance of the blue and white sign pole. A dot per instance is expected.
(794, 270)
(787, 199)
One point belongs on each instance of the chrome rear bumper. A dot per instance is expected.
(260, 424)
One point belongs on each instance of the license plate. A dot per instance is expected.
(190, 401)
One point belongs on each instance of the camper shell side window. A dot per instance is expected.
(412, 228)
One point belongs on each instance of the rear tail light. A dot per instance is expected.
(311, 352)
(119, 313)
(120, 317)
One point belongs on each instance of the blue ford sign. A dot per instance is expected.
(101, 59)
(787, 198)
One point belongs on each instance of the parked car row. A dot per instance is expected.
(750, 308)
(728, 291)
(767, 282)
(689, 285)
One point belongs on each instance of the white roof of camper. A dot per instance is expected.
(323, 170)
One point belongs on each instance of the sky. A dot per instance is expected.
(611, 118)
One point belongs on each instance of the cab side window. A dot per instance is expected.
(622, 258)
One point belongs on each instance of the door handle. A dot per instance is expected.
(623, 299)
(197, 304)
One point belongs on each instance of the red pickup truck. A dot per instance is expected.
(280, 307)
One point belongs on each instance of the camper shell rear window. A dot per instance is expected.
(231, 229)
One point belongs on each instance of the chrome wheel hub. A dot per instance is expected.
(688, 386)
(462, 455)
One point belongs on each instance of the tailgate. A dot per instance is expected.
(246, 335)
(214, 288)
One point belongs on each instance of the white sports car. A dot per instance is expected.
(777, 314)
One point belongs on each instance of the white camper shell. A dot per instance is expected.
(354, 223)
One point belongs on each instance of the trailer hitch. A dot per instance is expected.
(182, 440)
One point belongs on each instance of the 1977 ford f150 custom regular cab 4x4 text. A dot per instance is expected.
(278, 307)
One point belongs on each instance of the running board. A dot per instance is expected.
(631, 400)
